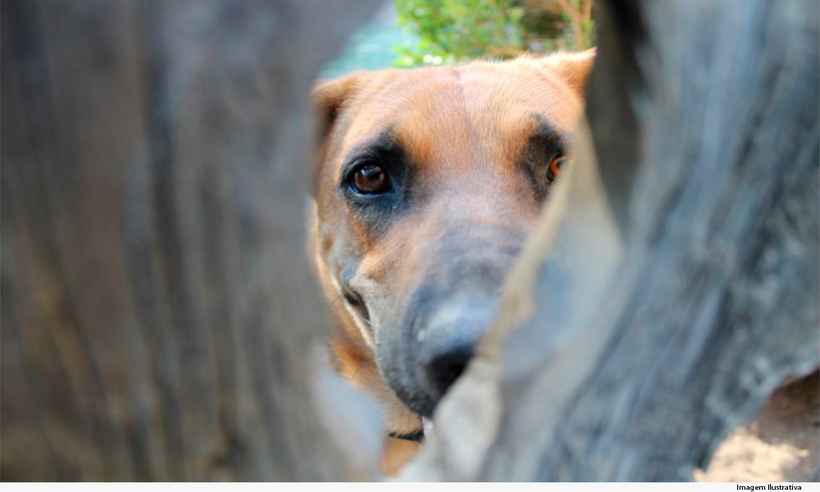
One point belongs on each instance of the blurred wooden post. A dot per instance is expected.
(680, 285)
(157, 306)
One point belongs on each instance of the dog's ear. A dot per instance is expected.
(574, 68)
(328, 97)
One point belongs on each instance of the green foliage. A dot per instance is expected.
(450, 30)
(453, 30)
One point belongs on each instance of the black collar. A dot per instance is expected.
(417, 436)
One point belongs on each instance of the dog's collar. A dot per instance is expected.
(417, 436)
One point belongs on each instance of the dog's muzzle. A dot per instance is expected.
(441, 339)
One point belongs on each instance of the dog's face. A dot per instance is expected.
(427, 184)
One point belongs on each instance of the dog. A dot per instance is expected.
(426, 184)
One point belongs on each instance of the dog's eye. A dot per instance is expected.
(554, 167)
(370, 179)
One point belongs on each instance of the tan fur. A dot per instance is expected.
(457, 124)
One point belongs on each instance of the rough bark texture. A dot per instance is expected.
(681, 286)
(157, 307)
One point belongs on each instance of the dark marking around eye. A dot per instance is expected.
(543, 156)
(375, 180)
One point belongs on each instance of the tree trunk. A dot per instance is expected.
(672, 286)
(158, 313)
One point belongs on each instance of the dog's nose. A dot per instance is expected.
(445, 366)
(448, 343)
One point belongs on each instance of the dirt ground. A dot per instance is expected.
(781, 444)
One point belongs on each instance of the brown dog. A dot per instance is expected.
(426, 186)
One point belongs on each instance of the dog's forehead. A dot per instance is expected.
(433, 111)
